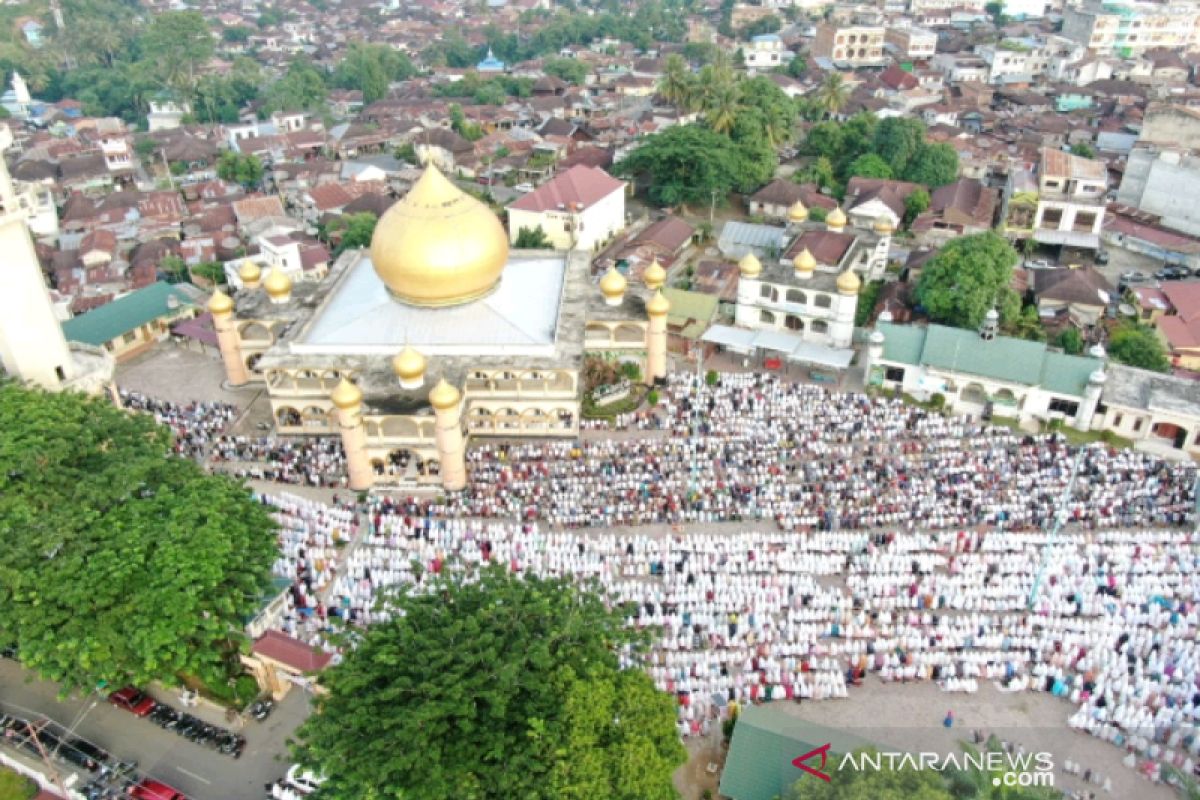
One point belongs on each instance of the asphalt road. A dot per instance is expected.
(200, 773)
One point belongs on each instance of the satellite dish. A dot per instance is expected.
(1126, 310)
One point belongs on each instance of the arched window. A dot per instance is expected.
(823, 301)
(766, 317)
(766, 291)
(793, 323)
(796, 296)
(819, 326)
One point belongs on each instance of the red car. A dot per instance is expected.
(155, 790)
(131, 699)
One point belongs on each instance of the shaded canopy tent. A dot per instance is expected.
(787, 345)
(765, 740)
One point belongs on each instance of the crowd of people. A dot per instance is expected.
(195, 426)
(311, 461)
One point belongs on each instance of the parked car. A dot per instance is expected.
(1173, 272)
(303, 780)
(1101, 257)
(83, 754)
(1039, 263)
(133, 700)
(150, 789)
(523, 187)
(1134, 276)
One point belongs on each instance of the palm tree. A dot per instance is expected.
(724, 102)
(675, 85)
(833, 94)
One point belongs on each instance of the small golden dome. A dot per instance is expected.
(884, 227)
(836, 218)
(437, 245)
(250, 274)
(797, 213)
(444, 396)
(278, 284)
(654, 276)
(848, 282)
(408, 364)
(658, 305)
(750, 266)
(220, 303)
(613, 284)
(805, 262)
(346, 395)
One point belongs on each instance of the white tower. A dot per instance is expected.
(20, 91)
(32, 345)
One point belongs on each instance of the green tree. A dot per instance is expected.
(371, 68)
(211, 271)
(302, 88)
(760, 26)
(916, 204)
(897, 141)
(689, 164)
(236, 168)
(907, 782)
(571, 70)
(833, 94)
(973, 783)
(1083, 150)
(497, 687)
(675, 85)
(236, 35)
(933, 166)
(966, 278)
(826, 140)
(797, 68)
(1071, 341)
(174, 268)
(869, 165)
(1138, 346)
(174, 46)
(119, 562)
(356, 230)
(533, 239)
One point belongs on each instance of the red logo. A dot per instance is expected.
(823, 752)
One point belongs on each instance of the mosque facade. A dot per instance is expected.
(436, 334)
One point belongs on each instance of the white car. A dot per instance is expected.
(523, 187)
(303, 780)
(1040, 263)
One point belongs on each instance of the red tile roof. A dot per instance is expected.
(1185, 296)
(578, 188)
(290, 652)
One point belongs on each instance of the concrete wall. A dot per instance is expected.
(1164, 183)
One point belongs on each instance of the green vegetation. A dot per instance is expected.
(533, 239)
(967, 277)
(14, 786)
(884, 784)
(568, 69)
(246, 170)
(1071, 341)
(120, 562)
(356, 231)
(506, 686)
(916, 204)
(868, 296)
(1138, 346)
(1083, 150)
(370, 68)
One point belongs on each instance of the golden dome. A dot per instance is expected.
(277, 284)
(220, 303)
(750, 266)
(658, 305)
(612, 285)
(848, 282)
(250, 274)
(408, 364)
(797, 213)
(805, 262)
(438, 246)
(884, 227)
(654, 276)
(836, 218)
(346, 395)
(444, 396)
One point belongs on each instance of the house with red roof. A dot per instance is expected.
(582, 207)
(1180, 329)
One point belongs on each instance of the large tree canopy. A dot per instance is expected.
(967, 277)
(497, 687)
(119, 562)
(1138, 346)
(688, 164)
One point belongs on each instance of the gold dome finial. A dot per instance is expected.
(346, 395)
(612, 286)
(750, 266)
(409, 366)
(443, 396)
(220, 303)
(278, 285)
(658, 305)
(883, 226)
(848, 283)
(437, 245)
(654, 276)
(797, 213)
(805, 262)
(836, 219)
(250, 274)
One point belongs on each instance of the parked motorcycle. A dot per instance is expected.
(261, 709)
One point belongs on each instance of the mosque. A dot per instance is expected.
(437, 333)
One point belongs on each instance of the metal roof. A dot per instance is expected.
(125, 314)
(792, 346)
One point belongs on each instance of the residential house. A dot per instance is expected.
(868, 200)
(912, 43)
(1130, 28)
(580, 208)
(773, 200)
(1062, 204)
(1152, 407)
(130, 324)
(1179, 330)
(690, 316)
(851, 46)
(958, 209)
(1082, 294)
(765, 52)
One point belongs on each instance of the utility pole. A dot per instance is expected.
(1060, 519)
(34, 729)
(712, 207)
